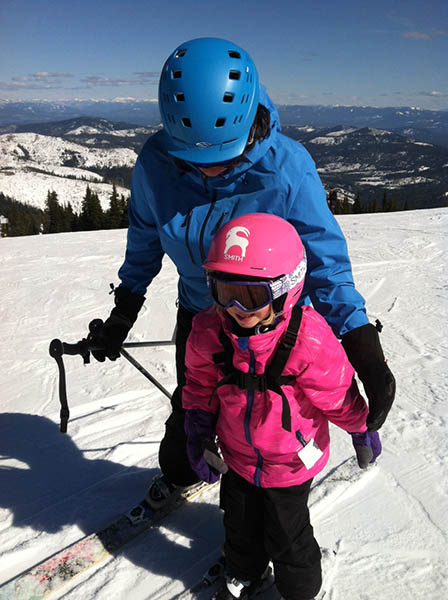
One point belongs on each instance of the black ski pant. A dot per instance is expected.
(173, 459)
(263, 524)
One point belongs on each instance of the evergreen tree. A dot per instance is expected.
(55, 214)
(114, 216)
(371, 206)
(333, 202)
(386, 204)
(345, 206)
(92, 216)
(23, 219)
(69, 217)
(124, 203)
(356, 206)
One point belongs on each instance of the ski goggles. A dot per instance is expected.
(250, 296)
(247, 296)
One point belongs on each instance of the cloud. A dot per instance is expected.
(41, 80)
(148, 74)
(97, 81)
(45, 80)
(142, 78)
(421, 35)
(309, 56)
(434, 94)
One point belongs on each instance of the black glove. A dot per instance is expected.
(108, 337)
(364, 351)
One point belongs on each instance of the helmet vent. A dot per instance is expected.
(234, 54)
(181, 52)
(180, 97)
(234, 74)
(220, 122)
(177, 74)
(228, 97)
(186, 122)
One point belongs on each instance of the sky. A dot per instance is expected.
(351, 52)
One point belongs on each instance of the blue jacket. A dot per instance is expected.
(178, 212)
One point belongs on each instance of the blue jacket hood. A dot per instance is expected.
(177, 212)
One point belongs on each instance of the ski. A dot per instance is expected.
(40, 581)
(213, 578)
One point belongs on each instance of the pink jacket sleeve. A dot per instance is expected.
(202, 375)
(328, 379)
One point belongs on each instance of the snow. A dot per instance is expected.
(83, 130)
(35, 164)
(388, 529)
(326, 141)
(49, 151)
(33, 188)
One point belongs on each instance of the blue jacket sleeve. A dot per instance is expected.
(329, 283)
(144, 252)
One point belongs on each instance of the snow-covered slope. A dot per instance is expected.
(32, 164)
(389, 531)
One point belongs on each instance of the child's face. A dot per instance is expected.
(248, 320)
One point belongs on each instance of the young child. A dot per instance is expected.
(265, 377)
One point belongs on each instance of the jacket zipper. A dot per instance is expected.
(300, 437)
(218, 224)
(186, 224)
(247, 416)
(204, 224)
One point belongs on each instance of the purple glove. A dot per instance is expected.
(202, 451)
(367, 447)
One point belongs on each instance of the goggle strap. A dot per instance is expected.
(287, 282)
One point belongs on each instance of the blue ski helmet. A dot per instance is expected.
(208, 98)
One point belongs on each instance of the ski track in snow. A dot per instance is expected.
(384, 532)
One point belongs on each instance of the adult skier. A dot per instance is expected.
(221, 154)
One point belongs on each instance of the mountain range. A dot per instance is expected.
(426, 125)
(357, 155)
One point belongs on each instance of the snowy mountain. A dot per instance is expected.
(34, 163)
(384, 536)
(146, 113)
(367, 159)
(139, 112)
(409, 121)
(63, 155)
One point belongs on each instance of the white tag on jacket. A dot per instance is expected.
(310, 454)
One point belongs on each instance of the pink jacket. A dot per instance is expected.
(249, 425)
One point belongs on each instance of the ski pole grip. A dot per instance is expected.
(56, 348)
(56, 351)
(73, 349)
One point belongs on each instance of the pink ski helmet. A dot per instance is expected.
(264, 246)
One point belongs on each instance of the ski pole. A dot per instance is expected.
(144, 372)
(170, 342)
(148, 344)
(57, 349)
